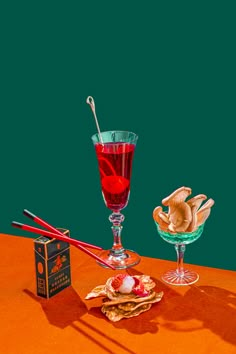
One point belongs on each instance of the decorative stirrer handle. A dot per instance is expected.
(91, 102)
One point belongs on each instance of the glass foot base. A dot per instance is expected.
(127, 259)
(186, 278)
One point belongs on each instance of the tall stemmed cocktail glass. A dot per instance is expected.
(115, 151)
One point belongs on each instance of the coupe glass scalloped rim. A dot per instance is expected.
(180, 237)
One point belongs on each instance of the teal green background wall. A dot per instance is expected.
(165, 70)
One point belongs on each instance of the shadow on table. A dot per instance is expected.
(66, 309)
(201, 307)
(62, 309)
(213, 308)
(148, 320)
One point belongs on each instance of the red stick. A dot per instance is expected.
(53, 229)
(61, 238)
(64, 238)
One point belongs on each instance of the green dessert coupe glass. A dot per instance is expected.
(180, 276)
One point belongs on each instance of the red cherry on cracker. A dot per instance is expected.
(139, 289)
(123, 283)
(126, 284)
(117, 281)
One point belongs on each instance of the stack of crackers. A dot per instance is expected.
(118, 305)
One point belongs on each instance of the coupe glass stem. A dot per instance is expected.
(117, 218)
(180, 249)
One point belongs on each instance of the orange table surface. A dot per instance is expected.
(200, 318)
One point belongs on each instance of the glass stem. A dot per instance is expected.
(117, 218)
(180, 249)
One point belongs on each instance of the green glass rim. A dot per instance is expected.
(183, 235)
(108, 137)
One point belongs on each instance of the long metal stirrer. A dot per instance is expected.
(91, 102)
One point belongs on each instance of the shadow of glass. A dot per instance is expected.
(66, 309)
(212, 307)
(113, 342)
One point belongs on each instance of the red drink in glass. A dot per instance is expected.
(115, 164)
(115, 151)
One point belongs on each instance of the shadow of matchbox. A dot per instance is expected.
(52, 265)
